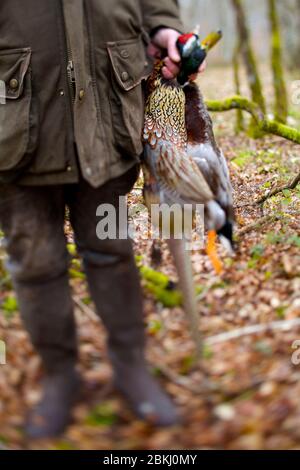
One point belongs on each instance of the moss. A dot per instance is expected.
(154, 277)
(256, 88)
(9, 306)
(161, 287)
(74, 274)
(243, 158)
(264, 124)
(168, 298)
(281, 130)
(281, 100)
(250, 63)
(103, 415)
(249, 57)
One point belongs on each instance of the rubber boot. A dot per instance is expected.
(53, 414)
(142, 392)
(115, 288)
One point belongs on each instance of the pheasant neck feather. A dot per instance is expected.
(198, 120)
(165, 111)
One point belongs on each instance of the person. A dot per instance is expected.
(71, 116)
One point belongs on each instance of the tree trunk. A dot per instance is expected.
(236, 70)
(297, 55)
(248, 55)
(281, 100)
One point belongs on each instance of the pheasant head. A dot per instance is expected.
(193, 52)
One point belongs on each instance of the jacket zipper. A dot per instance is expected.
(71, 72)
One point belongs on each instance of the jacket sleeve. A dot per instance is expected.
(159, 13)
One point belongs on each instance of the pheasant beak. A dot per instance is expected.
(211, 250)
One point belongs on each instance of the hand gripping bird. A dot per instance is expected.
(183, 165)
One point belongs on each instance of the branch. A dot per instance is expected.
(263, 123)
(86, 310)
(277, 190)
(291, 185)
(284, 325)
(258, 224)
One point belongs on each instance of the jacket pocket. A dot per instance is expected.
(129, 68)
(15, 100)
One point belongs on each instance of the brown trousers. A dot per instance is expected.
(32, 219)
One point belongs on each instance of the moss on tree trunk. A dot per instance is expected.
(248, 55)
(281, 100)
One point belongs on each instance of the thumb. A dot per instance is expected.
(154, 51)
(173, 52)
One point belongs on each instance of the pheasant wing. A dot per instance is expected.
(179, 175)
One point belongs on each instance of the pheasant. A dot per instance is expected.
(183, 165)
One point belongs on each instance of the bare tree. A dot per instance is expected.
(281, 100)
(248, 55)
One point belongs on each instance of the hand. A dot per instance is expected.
(165, 39)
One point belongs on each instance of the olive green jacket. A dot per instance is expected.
(71, 72)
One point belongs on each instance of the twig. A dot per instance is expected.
(220, 338)
(258, 224)
(91, 315)
(291, 185)
(206, 385)
(277, 190)
(178, 379)
(284, 325)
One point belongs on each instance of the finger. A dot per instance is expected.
(154, 51)
(167, 74)
(171, 66)
(193, 77)
(202, 67)
(173, 52)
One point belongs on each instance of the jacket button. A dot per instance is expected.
(124, 53)
(81, 95)
(14, 84)
(124, 76)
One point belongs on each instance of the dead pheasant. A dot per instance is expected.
(183, 165)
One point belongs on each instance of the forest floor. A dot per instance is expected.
(250, 397)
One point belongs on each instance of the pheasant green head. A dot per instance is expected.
(193, 52)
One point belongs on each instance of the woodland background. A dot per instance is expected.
(212, 14)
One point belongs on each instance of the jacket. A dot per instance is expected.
(71, 94)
